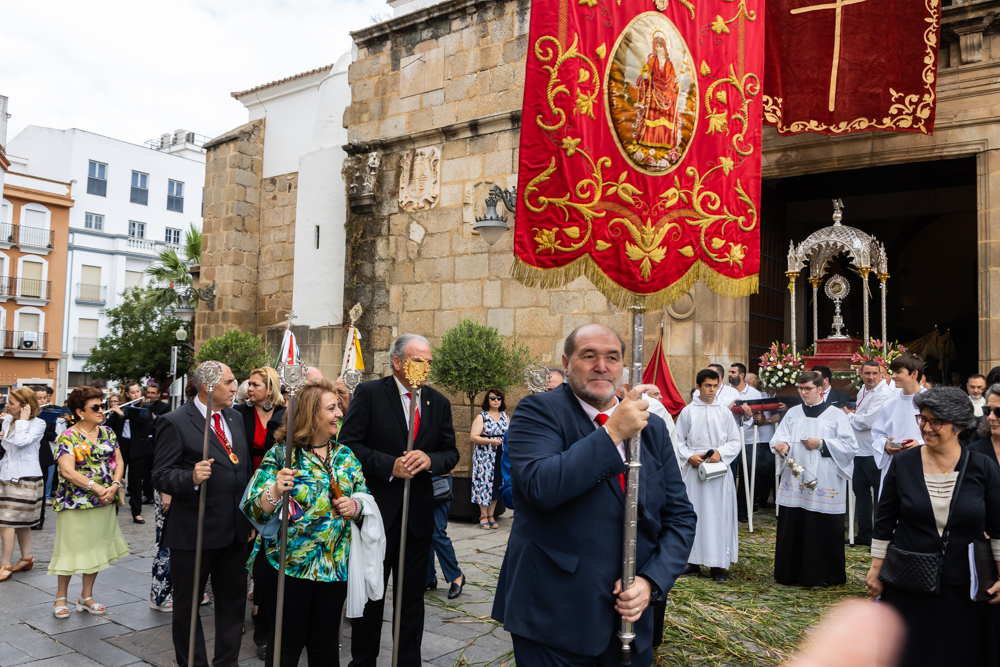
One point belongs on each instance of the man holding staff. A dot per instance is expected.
(559, 592)
(376, 428)
(179, 469)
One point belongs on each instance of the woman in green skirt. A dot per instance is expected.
(88, 538)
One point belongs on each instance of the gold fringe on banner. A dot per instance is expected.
(624, 299)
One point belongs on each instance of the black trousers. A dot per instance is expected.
(866, 481)
(229, 584)
(140, 475)
(530, 653)
(366, 632)
(310, 620)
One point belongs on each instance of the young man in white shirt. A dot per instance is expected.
(873, 395)
(896, 427)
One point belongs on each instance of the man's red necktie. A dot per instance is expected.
(416, 419)
(219, 431)
(601, 420)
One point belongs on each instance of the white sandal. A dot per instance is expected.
(61, 612)
(96, 609)
(166, 605)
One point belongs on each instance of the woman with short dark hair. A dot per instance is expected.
(88, 538)
(487, 433)
(936, 499)
(21, 483)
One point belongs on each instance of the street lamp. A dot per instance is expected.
(181, 335)
(492, 226)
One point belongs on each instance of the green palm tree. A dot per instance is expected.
(169, 277)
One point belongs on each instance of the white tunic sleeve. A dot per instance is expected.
(730, 449)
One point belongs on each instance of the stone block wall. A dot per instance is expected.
(421, 271)
(248, 237)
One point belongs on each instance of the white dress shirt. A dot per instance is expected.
(222, 420)
(866, 411)
(403, 391)
(21, 447)
(592, 413)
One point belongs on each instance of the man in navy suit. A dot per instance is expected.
(559, 592)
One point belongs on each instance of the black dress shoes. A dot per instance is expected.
(718, 574)
(137, 520)
(691, 569)
(262, 652)
(456, 589)
(433, 586)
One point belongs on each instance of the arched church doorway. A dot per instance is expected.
(924, 213)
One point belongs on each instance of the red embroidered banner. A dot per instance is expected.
(640, 147)
(841, 66)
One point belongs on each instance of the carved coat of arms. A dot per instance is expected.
(420, 179)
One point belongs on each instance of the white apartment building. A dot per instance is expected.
(131, 202)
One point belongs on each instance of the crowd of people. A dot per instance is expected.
(923, 464)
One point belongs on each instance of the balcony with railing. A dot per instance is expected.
(82, 346)
(30, 239)
(24, 343)
(136, 244)
(30, 291)
(6, 287)
(91, 294)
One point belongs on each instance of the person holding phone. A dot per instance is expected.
(895, 429)
(706, 433)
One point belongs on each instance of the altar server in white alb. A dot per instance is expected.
(809, 550)
(896, 428)
(707, 425)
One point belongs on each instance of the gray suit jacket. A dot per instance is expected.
(179, 441)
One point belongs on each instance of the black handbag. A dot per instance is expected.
(921, 572)
(442, 490)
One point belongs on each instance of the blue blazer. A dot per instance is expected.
(565, 548)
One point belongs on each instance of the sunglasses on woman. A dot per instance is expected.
(498, 398)
(96, 407)
(996, 412)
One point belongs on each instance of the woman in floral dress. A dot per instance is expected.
(319, 530)
(90, 471)
(487, 434)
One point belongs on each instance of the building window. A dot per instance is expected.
(133, 279)
(140, 188)
(79, 379)
(94, 221)
(97, 179)
(136, 230)
(175, 196)
(173, 236)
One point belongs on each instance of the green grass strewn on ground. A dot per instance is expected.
(749, 620)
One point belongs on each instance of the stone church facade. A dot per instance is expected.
(433, 123)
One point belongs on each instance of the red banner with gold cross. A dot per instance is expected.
(640, 147)
(842, 66)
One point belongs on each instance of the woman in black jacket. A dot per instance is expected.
(946, 627)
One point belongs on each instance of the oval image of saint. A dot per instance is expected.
(652, 91)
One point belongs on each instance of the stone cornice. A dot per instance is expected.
(963, 11)
(448, 9)
(508, 120)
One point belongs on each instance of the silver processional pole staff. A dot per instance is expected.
(213, 374)
(632, 465)
(416, 371)
(294, 378)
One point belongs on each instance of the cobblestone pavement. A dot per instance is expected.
(455, 632)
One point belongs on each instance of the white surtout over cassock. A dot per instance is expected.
(700, 427)
(832, 426)
(809, 546)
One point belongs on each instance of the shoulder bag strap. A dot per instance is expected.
(954, 497)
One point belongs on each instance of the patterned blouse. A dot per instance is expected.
(318, 541)
(94, 461)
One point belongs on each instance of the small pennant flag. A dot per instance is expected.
(289, 350)
(352, 352)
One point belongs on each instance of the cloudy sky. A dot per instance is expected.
(134, 70)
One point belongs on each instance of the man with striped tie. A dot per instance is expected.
(179, 470)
